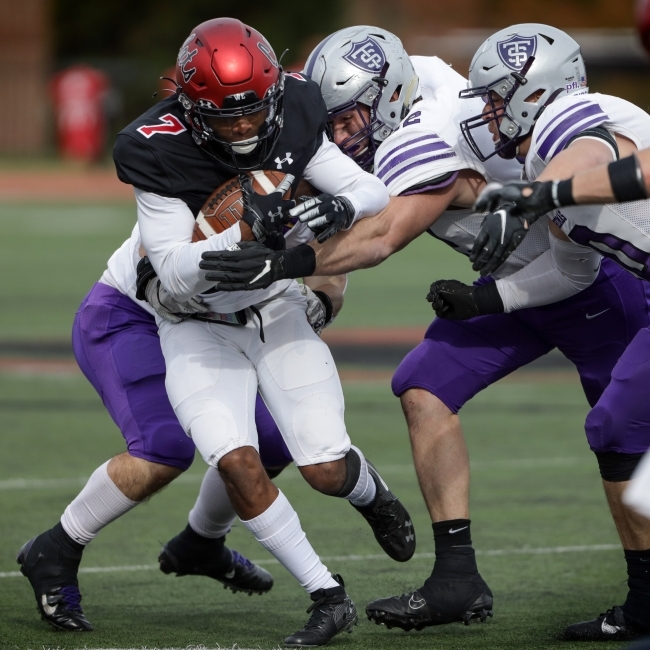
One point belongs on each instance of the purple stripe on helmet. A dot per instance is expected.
(567, 124)
(422, 161)
(308, 70)
(577, 130)
(409, 154)
(555, 119)
(392, 152)
(432, 186)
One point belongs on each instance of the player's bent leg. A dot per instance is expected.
(618, 430)
(200, 548)
(454, 362)
(455, 591)
(299, 383)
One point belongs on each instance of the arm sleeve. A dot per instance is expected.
(166, 226)
(331, 171)
(561, 272)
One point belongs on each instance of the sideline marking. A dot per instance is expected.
(550, 550)
(406, 468)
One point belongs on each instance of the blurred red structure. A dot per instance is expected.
(78, 94)
(643, 22)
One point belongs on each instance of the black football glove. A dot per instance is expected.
(530, 200)
(267, 213)
(251, 266)
(500, 234)
(455, 300)
(325, 215)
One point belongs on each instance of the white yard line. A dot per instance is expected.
(407, 468)
(549, 550)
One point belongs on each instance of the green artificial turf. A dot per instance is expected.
(535, 486)
(51, 256)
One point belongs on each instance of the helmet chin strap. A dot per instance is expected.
(245, 146)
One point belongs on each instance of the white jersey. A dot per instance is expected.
(121, 270)
(428, 150)
(619, 231)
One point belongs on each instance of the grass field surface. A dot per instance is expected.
(546, 544)
(51, 256)
(545, 540)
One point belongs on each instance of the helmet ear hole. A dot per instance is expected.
(533, 97)
(396, 94)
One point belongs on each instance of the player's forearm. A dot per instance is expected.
(598, 185)
(165, 229)
(333, 286)
(559, 273)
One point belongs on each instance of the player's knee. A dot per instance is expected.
(420, 405)
(328, 478)
(240, 462)
(616, 467)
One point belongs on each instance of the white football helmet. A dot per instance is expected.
(524, 62)
(364, 65)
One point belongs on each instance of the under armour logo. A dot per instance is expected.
(287, 158)
(409, 526)
(272, 215)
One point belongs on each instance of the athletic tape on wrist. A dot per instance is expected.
(487, 299)
(563, 193)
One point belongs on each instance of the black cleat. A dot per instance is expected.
(610, 626)
(457, 601)
(52, 572)
(230, 568)
(389, 520)
(332, 612)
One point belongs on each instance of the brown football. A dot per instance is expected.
(224, 207)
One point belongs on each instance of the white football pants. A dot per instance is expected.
(214, 370)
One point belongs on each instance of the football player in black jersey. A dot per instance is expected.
(236, 111)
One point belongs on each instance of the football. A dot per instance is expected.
(225, 206)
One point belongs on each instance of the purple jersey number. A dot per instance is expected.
(622, 252)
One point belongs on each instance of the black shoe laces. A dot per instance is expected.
(240, 560)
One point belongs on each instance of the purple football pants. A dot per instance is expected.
(602, 330)
(117, 347)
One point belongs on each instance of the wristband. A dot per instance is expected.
(145, 272)
(563, 193)
(626, 178)
(487, 299)
(299, 262)
(327, 303)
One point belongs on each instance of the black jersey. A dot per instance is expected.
(156, 153)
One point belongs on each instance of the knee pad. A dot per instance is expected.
(352, 473)
(615, 467)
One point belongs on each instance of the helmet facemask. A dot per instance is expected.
(242, 155)
(510, 131)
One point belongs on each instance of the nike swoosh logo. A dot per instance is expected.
(452, 531)
(609, 629)
(503, 223)
(267, 268)
(590, 316)
(417, 604)
(48, 609)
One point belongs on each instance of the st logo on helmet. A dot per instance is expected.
(515, 51)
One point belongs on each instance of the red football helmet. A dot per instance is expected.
(226, 69)
(643, 22)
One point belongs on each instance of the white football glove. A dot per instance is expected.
(316, 310)
(170, 309)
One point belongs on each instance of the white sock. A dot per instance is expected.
(99, 503)
(278, 530)
(365, 490)
(212, 514)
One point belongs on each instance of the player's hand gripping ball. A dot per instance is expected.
(260, 198)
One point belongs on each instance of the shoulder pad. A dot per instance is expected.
(415, 153)
(562, 121)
